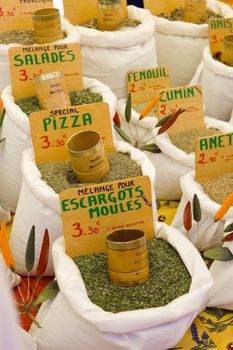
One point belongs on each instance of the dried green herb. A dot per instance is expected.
(125, 23)
(178, 15)
(186, 140)
(60, 175)
(168, 280)
(30, 104)
(218, 188)
(23, 37)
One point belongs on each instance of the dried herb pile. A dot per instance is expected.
(125, 23)
(60, 176)
(23, 37)
(168, 280)
(186, 140)
(178, 15)
(30, 104)
(219, 188)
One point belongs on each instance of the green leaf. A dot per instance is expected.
(2, 115)
(128, 108)
(229, 228)
(49, 292)
(2, 140)
(163, 120)
(196, 208)
(220, 254)
(30, 250)
(122, 134)
(153, 148)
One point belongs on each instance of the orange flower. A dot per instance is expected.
(224, 208)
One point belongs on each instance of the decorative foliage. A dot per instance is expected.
(224, 208)
(30, 250)
(196, 208)
(223, 321)
(6, 251)
(228, 238)
(229, 228)
(128, 108)
(137, 141)
(187, 217)
(220, 254)
(49, 292)
(44, 255)
(26, 304)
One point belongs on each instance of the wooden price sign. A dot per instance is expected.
(143, 83)
(187, 97)
(17, 14)
(214, 156)
(51, 129)
(80, 11)
(218, 29)
(165, 6)
(27, 62)
(89, 213)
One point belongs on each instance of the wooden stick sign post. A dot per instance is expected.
(80, 11)
(218, 29)
(51, 129)
(17, 14)
(27, 62)
(90, 212)
(214, 156)
(143, 83)
(186, 97)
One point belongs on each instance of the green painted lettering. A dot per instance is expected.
(87, 119)
(203, 144)
(46, 123)
(18, 59)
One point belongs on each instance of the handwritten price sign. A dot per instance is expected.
(143, 83)
(51, 129)
(89, 213)
(186, 97)
(17, 14)
(214, 156)
(218, 29)
(27, 62)
(80, 11)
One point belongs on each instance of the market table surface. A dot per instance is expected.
(212, 329)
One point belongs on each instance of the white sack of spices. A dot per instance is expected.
(221, 295)
(71, 37)
(108, 56)
(206, 233)
(172, 163)
(180, 44)
(216, 79)
(16, 130)
(39, 205)
(71, 321)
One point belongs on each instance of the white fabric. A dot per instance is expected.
(180, 44)
(108, 56)
(12, 337)
(222, 273)
(210, 233)
(155, 328)
(172, 162)
(16, 130)
(39, 205)
(216, 80)
(4, 215)
(71, 37)
(12, 279)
